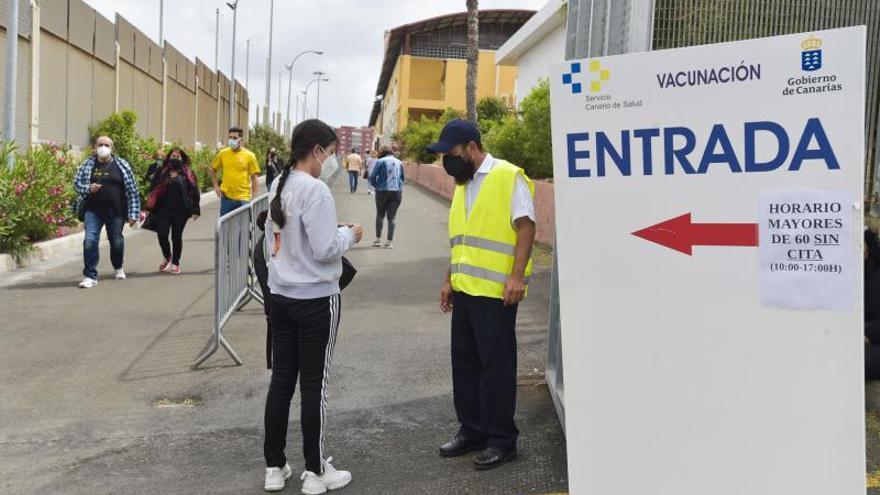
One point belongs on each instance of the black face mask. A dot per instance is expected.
(458, 168)
(175, 164)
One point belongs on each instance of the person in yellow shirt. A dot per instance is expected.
(354, 164)
(239, 168)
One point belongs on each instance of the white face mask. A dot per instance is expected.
(329, 169)
(103, 152)
(234, 143)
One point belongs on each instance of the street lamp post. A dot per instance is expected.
(234, 7)
(164, 70)
(266, 111)
(217, 73)
(247, 66)
(11, 75)
(319, 75)
(306, 94)
(279, 126)
(290, 76)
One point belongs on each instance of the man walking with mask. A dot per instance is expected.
(107, 195)
(240, 170)
(491, 231)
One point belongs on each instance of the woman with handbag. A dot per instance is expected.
(171, 203)
(306, 245)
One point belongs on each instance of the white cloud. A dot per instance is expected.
(350, 32)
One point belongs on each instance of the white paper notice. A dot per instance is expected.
(806, 242)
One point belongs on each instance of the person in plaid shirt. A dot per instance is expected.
(107, 195)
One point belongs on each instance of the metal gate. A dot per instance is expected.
(235, 282)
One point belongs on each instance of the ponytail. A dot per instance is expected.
(306, 136)
(277, 211)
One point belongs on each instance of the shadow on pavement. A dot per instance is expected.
(389, 450)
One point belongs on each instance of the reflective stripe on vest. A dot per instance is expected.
(479, 242)
(475, 271)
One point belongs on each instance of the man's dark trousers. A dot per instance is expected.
(484, 369)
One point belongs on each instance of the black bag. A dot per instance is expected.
(149, 223)
(81, 210)
(348, 273)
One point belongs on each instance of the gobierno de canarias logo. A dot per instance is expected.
(811, 54)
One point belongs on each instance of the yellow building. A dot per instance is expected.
(425, 68)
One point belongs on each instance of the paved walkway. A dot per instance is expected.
(99, 398)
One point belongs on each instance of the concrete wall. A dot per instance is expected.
(435, 179)
(22, 104)
(73, 77)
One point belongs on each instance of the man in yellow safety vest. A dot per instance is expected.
(491, 232)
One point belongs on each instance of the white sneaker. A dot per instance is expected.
(388, 245)
(88, 283)
(277, 477)
(330, 480)
(120, 274)
(334, 479)
(377, 243)
(312, 484)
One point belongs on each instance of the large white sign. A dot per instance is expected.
(702, 354)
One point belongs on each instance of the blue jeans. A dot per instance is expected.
(91, 251)
(353, 180)
(227, 205)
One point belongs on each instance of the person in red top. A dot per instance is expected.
(173, 201)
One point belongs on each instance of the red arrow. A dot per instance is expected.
(681, 235)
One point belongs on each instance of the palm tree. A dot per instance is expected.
(473, 53)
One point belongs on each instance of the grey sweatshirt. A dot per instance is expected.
(308, 263)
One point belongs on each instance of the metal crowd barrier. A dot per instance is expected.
(235, 282)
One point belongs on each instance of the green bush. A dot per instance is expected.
(35, 197)
(451, 114)
(418, 136)
(490, 111)
(128, 144)
(525, 140)
(421, 133)
(535, 110)
(261, 138)
(201, 164)
(506, 139)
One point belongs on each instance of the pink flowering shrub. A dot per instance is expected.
(35, 196)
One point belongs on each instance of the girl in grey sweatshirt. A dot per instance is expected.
(306, 246)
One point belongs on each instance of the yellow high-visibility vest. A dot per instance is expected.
(483, 243)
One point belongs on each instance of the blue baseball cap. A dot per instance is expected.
(456, 132)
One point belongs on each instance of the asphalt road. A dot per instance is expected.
(98, 396)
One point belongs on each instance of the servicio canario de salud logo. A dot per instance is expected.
(598, 77)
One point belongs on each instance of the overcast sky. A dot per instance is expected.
(350, 32)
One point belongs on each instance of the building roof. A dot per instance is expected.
(395, 39)
(545, 21)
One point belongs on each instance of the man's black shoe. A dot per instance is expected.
(460, 445)
(492, 457)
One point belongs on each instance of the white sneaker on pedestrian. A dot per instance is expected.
(88, 283)
(277, 477)
(120, 274)
(312, 484)
(388, 245)
(377, 243)
(334, 479)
